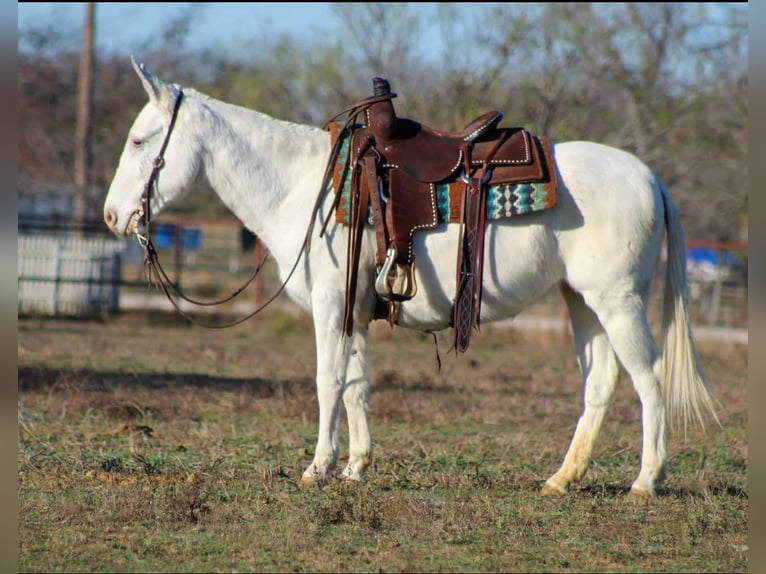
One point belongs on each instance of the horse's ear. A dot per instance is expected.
(160, 93)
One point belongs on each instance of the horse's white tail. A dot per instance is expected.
(686, 394)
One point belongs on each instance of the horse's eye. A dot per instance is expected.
(135, 142)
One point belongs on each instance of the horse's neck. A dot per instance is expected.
(266, 171)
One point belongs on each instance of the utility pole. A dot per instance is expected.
(82, 150)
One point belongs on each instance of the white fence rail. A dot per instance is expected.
(66, 274)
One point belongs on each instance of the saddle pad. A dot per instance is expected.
(503, 200)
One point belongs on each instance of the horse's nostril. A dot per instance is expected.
(110, 217)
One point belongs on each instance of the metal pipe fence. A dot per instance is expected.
(86, 271)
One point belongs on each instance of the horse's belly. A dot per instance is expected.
(520, 264)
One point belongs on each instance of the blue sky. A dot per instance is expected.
(120, 25)
(124, 26)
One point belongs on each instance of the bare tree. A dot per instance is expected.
(667, 81)
(383, 37)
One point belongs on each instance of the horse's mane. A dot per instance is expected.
(215, 103)
(196, 93)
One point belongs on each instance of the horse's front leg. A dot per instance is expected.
(356, 395)
(332, 353)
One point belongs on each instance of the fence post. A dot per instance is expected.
(54, 306)
(177, 254)
(115, 278)
(715, 298)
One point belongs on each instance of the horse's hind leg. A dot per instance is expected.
(599, 368)
(625, 321)
(356, 395)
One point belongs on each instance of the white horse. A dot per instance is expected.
(600, 244)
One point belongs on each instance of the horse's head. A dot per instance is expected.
(176, 169)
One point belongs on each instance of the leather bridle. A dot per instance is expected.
(153, 270)
(152, 267)
(158, 163)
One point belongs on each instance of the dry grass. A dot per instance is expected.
(147, 444)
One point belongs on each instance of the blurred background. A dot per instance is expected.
(666, 81)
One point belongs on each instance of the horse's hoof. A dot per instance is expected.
(553, 490)
(352, 477)
(346, 482)
(310, 480)
(638, 493)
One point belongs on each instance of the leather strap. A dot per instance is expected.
(373, 179)
(360, 201)
(470, 263)
(158, 164)
(471, 235)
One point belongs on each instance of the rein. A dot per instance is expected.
(152, 265)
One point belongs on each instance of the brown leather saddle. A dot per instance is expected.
(395, 166)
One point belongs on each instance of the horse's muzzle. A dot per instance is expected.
(113, 222)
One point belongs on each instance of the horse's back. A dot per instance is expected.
(605, 231)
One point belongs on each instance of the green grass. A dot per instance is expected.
(153, 448)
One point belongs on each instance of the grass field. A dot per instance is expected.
(147, 444)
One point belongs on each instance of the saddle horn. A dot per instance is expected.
(382, 116)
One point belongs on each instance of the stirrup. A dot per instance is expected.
(402, 286)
